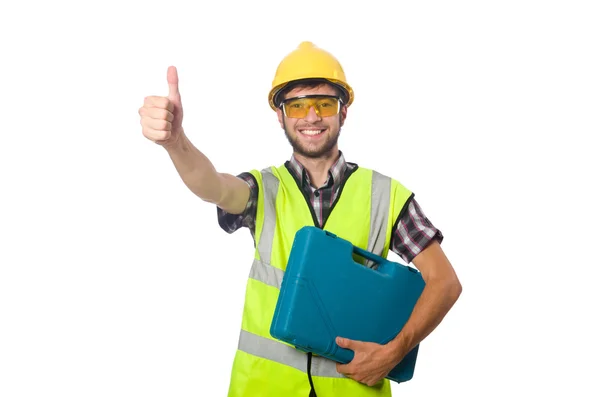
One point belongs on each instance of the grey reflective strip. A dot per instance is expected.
(284, 354)
(266, 273)
(270, 187)
(380, 206)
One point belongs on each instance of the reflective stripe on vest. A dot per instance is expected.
(265, 273)
(380, 206)
(284, 354)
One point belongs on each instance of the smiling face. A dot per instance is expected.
(313, 136)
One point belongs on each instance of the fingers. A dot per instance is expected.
(351, 371)
(342, 368)
(156, 113)
(345, 369)
(156, 124)
(156, 135)
(156, 117)
(348, 370)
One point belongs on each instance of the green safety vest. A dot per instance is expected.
(364, 213)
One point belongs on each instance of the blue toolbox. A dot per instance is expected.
(326, 293)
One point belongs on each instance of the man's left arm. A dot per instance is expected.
(442, 289)
(416, 240)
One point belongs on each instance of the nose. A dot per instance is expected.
(312, 115)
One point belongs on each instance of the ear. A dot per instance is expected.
(343, 114)
(280, 116)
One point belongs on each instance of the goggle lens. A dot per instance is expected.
(298, 108)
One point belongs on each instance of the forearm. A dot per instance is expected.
(196, 170)
(436, 300)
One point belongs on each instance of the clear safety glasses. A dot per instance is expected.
(298, 107)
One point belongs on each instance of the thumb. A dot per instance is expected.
(173, 81)
(344, 342)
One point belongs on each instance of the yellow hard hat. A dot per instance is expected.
(309, 62)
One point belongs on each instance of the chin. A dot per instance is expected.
(315, 152)
(324, 148)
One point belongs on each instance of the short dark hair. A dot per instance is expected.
(309, 83)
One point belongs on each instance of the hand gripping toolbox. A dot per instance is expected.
(326, 293)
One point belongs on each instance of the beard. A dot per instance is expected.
(312, 152)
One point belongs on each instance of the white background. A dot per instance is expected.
(117, 281)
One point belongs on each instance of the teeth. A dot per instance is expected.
(311, 132)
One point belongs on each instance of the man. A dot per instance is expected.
(316, 187)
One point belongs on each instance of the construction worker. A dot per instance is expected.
(318, 187)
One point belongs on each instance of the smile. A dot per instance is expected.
(311, 132)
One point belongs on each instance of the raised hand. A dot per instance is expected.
(161, 117)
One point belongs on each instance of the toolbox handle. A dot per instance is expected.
(369, 255)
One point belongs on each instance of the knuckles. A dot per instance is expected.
(158, 102)
(162, 117)
(164, 125)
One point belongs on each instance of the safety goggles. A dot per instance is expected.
(298, 107)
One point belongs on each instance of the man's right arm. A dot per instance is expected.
(200, 176)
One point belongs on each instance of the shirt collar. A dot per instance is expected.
(336, 171)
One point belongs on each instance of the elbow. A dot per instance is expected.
(457, 290)
(453, 289)
(448, 287)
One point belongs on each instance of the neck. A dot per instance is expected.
(318, 168)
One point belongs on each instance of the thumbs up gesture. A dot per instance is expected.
(161, 117)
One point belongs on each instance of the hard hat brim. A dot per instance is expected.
(274, 100)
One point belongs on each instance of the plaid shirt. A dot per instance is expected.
(413, 233)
